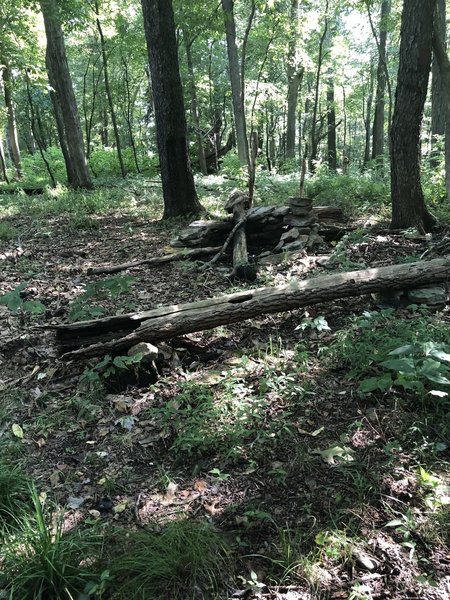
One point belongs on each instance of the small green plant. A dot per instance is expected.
(107, 289)
(16, 304)
(8, 232)
(340, 256)
(183, 559)
(405, 525)
(109, 366)
(83, 223)
(414, 367)
(318, 324)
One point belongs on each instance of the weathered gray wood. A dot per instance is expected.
(242, 269)
(179, 319)
(155, 260)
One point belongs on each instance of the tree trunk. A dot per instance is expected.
(112, 111)
(438, 89)
(194, 104)
(11, 126)
(180, 197)
(235, 80)
(129, 110)
(3, 162)
(118, 333)
(331, 121)
(378, 122)
(59, 76)
(443, 62)
(315, 129)
(408, 205)
(294, 73)
(367, 115)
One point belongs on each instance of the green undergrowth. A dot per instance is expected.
(44, 555)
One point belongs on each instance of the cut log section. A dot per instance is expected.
(238, 203)
(117, 334)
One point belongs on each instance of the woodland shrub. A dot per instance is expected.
(351, 191)
(35, 171)
(104, 163)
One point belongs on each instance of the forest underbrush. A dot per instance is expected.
(303, 455)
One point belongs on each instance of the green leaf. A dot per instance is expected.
(17, 431)
(401, 365)
(382, 383)
(408, 349)
(394, 523)
(33, 306)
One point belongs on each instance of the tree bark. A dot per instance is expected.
(180, 197)
(3, 162)
(379, 117)
(112, 110)
(315, 128)
(194, 104)
(443, 62)
(294, 72)
(367, 115)
(59, 76)
(124, 331)
(11, 126)
(331, 121)
(408, 205)
(438, 89)
(235, 80)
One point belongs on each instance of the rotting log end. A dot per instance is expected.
(245, 273)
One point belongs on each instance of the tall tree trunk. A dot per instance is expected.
(180, 197)
(112, 110)
(59, 76)
(129, 110)
(235, 79)
(3, 162)
(194, 104)
(438, 91)
(443, 62)
(408, 205)
(315, 129)
(367, 116)
(379, 117)
(294, 72)
(11, 126)
(331, 122)
(36, 130)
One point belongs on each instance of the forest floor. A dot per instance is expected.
(317, 471)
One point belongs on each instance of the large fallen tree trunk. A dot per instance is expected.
(119, 333)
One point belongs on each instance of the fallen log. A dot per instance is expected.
(119, 333)
(155, 260)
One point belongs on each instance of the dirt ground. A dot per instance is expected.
(104, 456)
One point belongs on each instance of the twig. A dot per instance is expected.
(155, 260)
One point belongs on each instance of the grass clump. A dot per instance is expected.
(14, 492)
(8, 232)
(42, 562)
(185, 559)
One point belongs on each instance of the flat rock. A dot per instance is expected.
(431, 295)
(149, 351)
